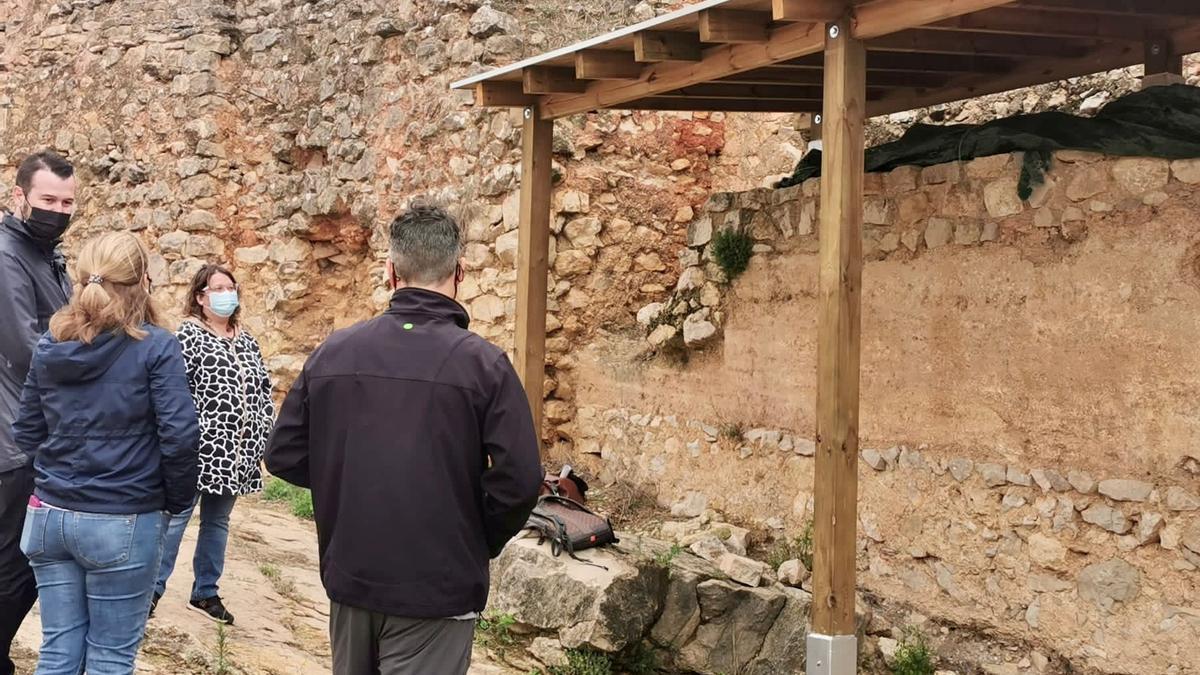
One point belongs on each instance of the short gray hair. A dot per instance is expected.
(426, 243)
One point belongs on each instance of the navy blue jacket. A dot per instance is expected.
(416, 439)
(110, 426)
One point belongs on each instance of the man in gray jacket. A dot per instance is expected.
(33, 286)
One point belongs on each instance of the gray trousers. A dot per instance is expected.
(369, 643)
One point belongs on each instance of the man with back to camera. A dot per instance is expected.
(416, 439)
(33, 286)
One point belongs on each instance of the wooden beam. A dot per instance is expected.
(604, 64)
(978, 44)
(835, 519)
(747, 91)
(810, 11)
(882, 17)
(786, 42)
(1115, 55)
(1018, 21)
(533, 257)
(502, 95)
(1125, 8)
(790, 41)
(546, 80)
(900, 62)
(756, 92)
(731, 26)
(658, 46)
(876, 80)
(721, 105)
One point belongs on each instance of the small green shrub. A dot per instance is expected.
(796, 548)
(222, 666)
(297, 498)
(495, 632)
(732, 249)
(665, 558)
(913, 656)
(584, 662)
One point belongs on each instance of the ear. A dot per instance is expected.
(390, 271)
(18, 200)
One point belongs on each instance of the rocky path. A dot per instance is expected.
(270, 584)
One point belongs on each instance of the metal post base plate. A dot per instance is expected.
(832, 654)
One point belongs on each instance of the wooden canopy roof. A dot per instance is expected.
(766, 55)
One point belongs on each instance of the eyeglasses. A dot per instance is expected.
(220, 289)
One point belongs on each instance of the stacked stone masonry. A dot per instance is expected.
(1094, 571)
(910, 212)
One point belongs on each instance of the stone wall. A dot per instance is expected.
(1029, 397)
(281, 136)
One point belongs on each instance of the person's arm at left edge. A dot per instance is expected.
(30, 429)
(18, 306)
(512, 482)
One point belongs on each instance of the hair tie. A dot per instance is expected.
(95, 279)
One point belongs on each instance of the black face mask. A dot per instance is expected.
(47, 226)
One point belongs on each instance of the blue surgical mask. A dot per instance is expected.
(224, 303)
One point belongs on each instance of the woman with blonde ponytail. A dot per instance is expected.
(107, 418)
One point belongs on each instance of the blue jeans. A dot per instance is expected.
(209, 561)
(95, 573)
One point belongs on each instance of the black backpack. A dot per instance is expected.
(569, 526)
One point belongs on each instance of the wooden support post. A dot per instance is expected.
(1163, 64)
(533, 258)
(832, 644)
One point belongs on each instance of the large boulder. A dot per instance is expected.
(734, 623)
(786, 645)
(607, 605)
(681, 608)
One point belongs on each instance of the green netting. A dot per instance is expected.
(1157, 122)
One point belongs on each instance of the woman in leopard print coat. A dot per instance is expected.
(232, 391)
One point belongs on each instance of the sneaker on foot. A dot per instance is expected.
(213, 608)
(154, 603)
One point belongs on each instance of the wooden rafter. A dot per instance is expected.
(882, 17)
(502, 95)
(657, 46)
(900, 62)
(877, 79)
(604, 64)
(758, 92)
(1045, 23)
(1125, 8)
(547, 80)
(722, 105)
(788, 41)
(811, 11)
(922, 41)
(730, 26)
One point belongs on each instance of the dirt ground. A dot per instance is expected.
(271, 585)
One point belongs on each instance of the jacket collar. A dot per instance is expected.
(429, 303)
(18, 226)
